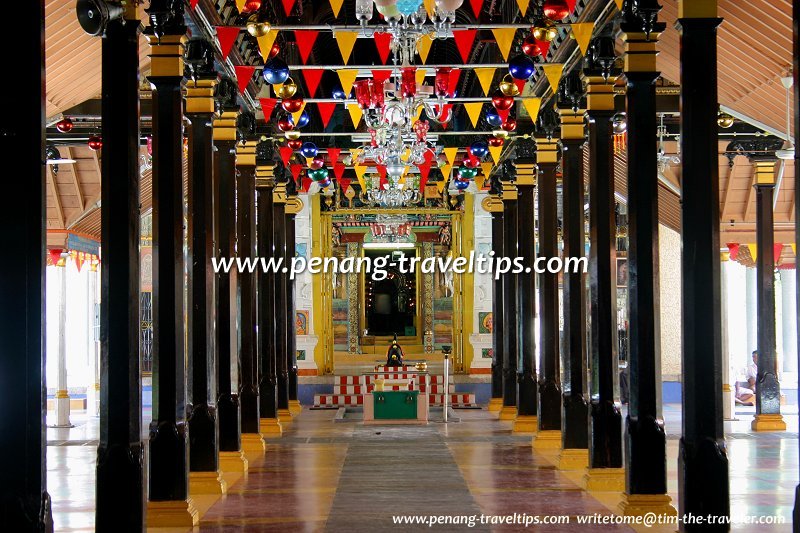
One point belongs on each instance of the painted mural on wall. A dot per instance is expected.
(485, 322)
(301, 322)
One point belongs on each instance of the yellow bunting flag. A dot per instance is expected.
(532, 106)
(553, 71)
(424, 47)
(346, 40)
(347, 78)
(450, 153)
(265, 43)
(419, 113)
(619, 4)
(360, 171)
(485, 76)
(430, 8)
(753, 250)
(240, 5)
(336, 6)
(420, 76)
(794, 248)
(440, 185)
(474, 111)
(504, 38)
(446, 169)
(296, 115)
(496, 151)
(523, 6)
(479, 180)
(486, 168)
(583, 34)
(355, 113)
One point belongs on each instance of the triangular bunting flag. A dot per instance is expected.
(553, 71)
(532, 106)
(619, 4)
(267, 105)
(326, 110)
(193, 3)
(544, 46)
(347, 78)
(450, 154)
(504, 38)
(286, 154)
(485, 77)
(523, 6)
(306, 183)
(448, 111)
(571, 5)
(346, 40)
(420, 76)
(479, 181)
(486, 168)
(226, 35)
(503, 113)
(794, 248)
(424, 47)
(452, 81)
(383, 41)
(381, 75)
(520, 85)
(333, 154)
(265, 43)
(441, 185)
(344, 183)
(240, 5)
(296, 114)
(276, 88)
(296, 169)
(476, 7)
(753, 250)
(474, 112)
(287, 6)
(312, 76)
(244, 73)
(360, 171)
(382, 173)
(305, 42)
(338, 171)
(430, 8)
(446, 169)
(336, 6)
(583, 34)
(355, 113)
(464, 41)
(496, 151)
(424, 172)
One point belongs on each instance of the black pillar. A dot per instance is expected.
(605, 420)
(495, 205)
(510, 296)
(292, 205)
(23, 491)
(119, 451)
(200, 302)
(702, 459)
(228, 407)
(169, 443)
(281, 339)
(528, 402)
(645, 439)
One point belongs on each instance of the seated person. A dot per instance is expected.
(394, 355)
(745, 392)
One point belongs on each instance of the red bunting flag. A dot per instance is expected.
(326, 110)
(267, 105)
(338, 171)
(381, 76)
(344, 183)
(333, 154)
(244, 73)
(305, 42)
(383, 41)
(477, 5)
(193, 3)
(286, 154)
(306, 183)
(544, 46)
(464, 41)
(287, 6)
(226, 35)
(452, 81)
(382, 174)
(503, 113)
(520, 84)
(424, 172)
(777, 248)
(733, 248)
(448, 109)
(296, 169)
(312, 76)
(571, 5)
(55, 255)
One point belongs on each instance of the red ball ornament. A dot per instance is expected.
(510, 124)
(502, 102)
(316, 163)
(64, 125)
(530, 46)
(275, 50)
(495, 142)
(556, 9)
(295, 144)
(292, 105)
(285, 124)
(251, 5)
(95, 142)
(471, 162)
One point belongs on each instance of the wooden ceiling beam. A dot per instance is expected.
(51, 180)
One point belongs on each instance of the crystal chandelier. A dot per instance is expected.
(664, 161)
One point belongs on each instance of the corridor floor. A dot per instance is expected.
(345, 477)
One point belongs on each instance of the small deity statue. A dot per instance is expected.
(394, 355)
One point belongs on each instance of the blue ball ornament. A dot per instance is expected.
(276, 71)
(521, 67)
(462, 185)
(479, 149)
(309, 150)
(302, 120)
(494, 119)
(338, 94)
(324, 183)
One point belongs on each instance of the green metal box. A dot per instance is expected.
(395, 405)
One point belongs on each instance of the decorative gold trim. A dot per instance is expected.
(173, 513)
(253, 443)
(600, 93)
(604, 479)
(233, 461)
(166, 55)
(295, 408)
(207, 483)
(495, 404)
(225, 126)
(644, 504)
(697, 9)
(772, 422)
(200, 96)
(525, 424)
(641, 51)
(293, 205)
(573, 459)
(246, 154)
(547, 440)
(493, 203)
(508, 412)
(270, 427)
(62, 394)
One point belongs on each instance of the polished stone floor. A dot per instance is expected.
(343, 476)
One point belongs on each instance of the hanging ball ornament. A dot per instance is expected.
(257, 28)
(545, 33)
(302, 120)
(65, 125)
(286, 123)
(287, 90)
(318, 174)
(530, 46)
(502, 102)
(467, 173)
(276, 71)
(510, 124)
(508, 87)
(724, 120)
(461, 184)
(309, 150)
(471, 163)
(316, 163)
(292, 105)
(324, 184)
(521, 67)
(493, 119)
(556, 9)
(95, 142)
(496, 142)
(274, 51)
(479, 149)
(295, 144)
(251, 5)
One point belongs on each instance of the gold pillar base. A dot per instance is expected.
(495, 404)
(253, 443)
(173, 513)
(207, 483)
(270, 427)
(284, 416)
(768, 423)
(604, 479)
(233, 461)
(525, 424)
(643, 504)
(573, 459)
(295, 408)
(547, 440)
(508, 413)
